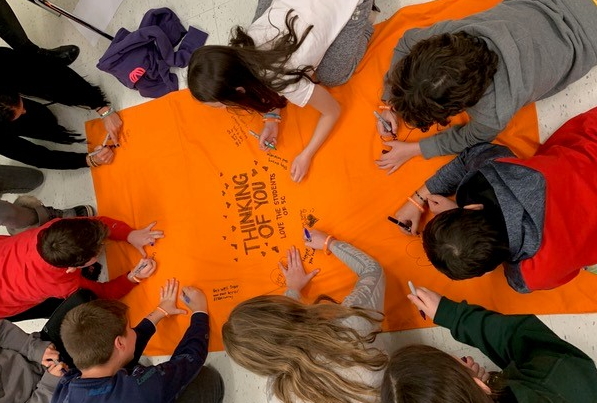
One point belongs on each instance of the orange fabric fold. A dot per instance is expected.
(230, 211)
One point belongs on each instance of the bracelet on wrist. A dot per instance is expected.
(385, 107)
(108, 112)
(91, 162)
(417, 205)
(327, 243)
(420, 197)
(272, 115)
(159, 308)
(134, 278)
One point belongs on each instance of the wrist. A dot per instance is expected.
(327, 244)
(419, 197)
(105, 111)
(155, 316)
(272, 117)
(133, 278)
(91, 162)
(417, 204)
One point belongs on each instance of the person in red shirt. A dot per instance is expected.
(42, 263)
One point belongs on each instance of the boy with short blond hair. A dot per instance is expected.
(98, 337)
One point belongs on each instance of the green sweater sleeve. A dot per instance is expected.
(537, 364)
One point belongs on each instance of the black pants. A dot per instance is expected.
(11, 30)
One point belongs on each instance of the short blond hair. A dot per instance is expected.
(89, 330)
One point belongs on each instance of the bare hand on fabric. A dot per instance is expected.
(300, 166)
(294, 272)
(144, 236)
(398, 155)
(168, 298)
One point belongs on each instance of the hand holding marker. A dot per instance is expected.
(267, 143)
(386, 125)
(413, 291)
(142, 266)
(104, 144)
(399, 223)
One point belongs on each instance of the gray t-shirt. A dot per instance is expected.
(542, 45)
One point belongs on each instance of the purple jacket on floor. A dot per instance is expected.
(142, 59)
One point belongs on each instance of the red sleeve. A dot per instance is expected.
(113, 289)
(119, 231)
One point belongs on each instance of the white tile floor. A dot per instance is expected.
(63, 189)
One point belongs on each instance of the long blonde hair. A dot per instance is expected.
(303, 347)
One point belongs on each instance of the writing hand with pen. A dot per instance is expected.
(102, 154)
(425, 300)
(269, 136)
(192, 297)
(51, 361)
(399, 151)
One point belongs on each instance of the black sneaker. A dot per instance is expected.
(64, 54)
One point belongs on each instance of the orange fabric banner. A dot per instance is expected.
(230, 211)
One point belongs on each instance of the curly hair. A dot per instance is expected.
(464, 243)
(216, 72)
(304, 348)
(441, 77)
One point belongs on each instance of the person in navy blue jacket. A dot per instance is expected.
(101, 342)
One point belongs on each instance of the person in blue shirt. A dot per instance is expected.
(98, 337)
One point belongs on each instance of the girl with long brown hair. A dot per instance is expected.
(536, 365)
(321, 352)
(290, 52)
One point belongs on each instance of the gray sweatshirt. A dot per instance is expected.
(542, 45)
(22, 378)
(520, 194)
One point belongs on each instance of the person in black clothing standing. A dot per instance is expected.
(13, 33)
(31, 74)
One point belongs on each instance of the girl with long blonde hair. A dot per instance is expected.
(321, 352)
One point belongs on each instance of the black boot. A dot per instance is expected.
(64, 54)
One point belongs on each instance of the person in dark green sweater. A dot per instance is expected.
(536, 365)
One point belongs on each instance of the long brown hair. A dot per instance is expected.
(441, 77)
(303, 348)
(424, 374)
(216, 73)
